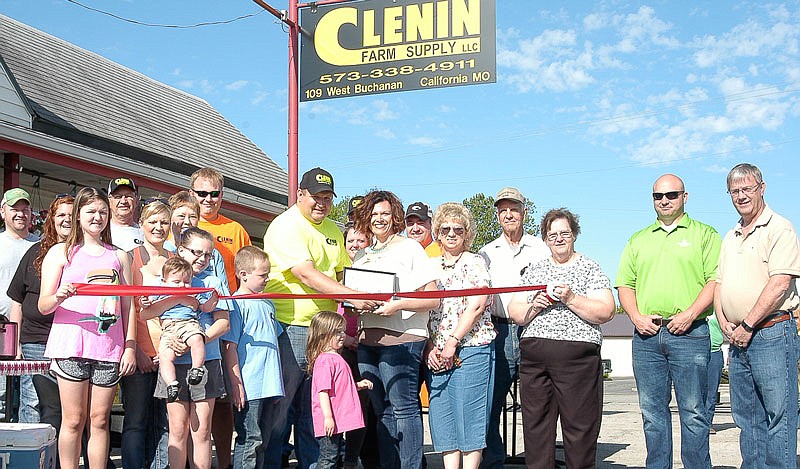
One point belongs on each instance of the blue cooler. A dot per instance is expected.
(27, 446)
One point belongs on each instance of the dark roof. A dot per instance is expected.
(80, 96)
(619, 326)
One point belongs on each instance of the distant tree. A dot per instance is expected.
(488, 229)
(339, 210)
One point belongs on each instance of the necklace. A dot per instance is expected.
(375, 248)
(451, 266)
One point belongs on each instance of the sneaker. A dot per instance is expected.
(172, 392)
(195, 376)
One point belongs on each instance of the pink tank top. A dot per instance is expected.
(88, 326)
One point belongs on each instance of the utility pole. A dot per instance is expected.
(291, 19)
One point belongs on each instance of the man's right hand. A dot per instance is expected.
(645, 324)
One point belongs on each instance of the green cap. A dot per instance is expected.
(12, 196)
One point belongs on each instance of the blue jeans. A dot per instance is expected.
(715, 364)
(28, 399)
(330, 448)
(297, 399)
(660, 362)
(505, 371)
(254, 424)
(144, 430)
(763, 379)
(394, 372)
(460, 400)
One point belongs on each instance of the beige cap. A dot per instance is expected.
(510, 193)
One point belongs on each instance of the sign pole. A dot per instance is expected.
(294, 35)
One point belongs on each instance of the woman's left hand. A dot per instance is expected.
(564, 292)
(127, 364)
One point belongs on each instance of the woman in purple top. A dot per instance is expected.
(92, 339)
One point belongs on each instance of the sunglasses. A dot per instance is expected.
(150, 200)
(458, 230)
(64, 195)
(204, 194)
(672, 195)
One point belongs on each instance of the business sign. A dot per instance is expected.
(381, 46)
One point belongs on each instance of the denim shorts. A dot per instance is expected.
(104, 374)
(460, 401)
(211, 386)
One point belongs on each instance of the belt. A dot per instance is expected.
(776, 318)
(663, 322)
(502, 320)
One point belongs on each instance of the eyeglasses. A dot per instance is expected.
(150, 200)
(747, 190)
(457, 230)
(200, 253)
(122, 196)
(671, 195)
(565, 235)
(204, 194)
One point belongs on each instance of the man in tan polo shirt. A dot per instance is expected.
(759, 260)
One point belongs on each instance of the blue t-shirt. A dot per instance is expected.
(183, 311)
(203, 280)
(255, 331)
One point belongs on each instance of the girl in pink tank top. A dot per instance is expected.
(92, 340)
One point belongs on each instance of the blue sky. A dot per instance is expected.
(594, 100)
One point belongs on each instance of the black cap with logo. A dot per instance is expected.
(317, 180)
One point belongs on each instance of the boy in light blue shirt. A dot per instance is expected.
(252, 360)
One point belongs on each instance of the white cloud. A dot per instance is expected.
(642, 28)
(236, 85)
(425, 141)
(717, 169)
(595, 21)
(549, 61)
(750, 39)
(382, 111)
(259, 97)
(175, 72)
(385, 134)
(669, 144)
(186, 84)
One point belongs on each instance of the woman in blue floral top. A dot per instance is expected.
(461, 349)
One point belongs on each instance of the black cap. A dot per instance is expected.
(354, 202)
(317, 180)
(120, 182)
(419, 209)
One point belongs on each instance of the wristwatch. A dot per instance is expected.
(746, 327)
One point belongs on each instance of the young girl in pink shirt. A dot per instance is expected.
(335, 406)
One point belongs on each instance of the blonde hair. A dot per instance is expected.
(325, 325)
(153, 208)
(457, 212)
(184, 199)
(211, 174)
(247, 258)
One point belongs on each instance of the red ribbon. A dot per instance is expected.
(95, 289)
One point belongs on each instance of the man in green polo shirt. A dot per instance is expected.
(666, 282)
